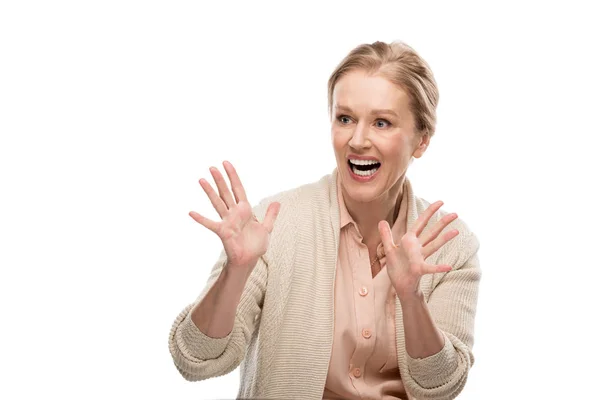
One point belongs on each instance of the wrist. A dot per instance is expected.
(239, 269)
(409, 289)
(410, 296)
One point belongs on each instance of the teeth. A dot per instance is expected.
(363, 162)
(364, 173)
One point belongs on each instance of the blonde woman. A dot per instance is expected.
(350, 287)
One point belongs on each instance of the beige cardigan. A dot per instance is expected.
(283, 331)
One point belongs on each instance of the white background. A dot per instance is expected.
(110, 113)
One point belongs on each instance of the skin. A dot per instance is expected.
(359, 127)
(244, 240)
(388, 137)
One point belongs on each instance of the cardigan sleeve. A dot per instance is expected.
(197, 356)
(452, 305)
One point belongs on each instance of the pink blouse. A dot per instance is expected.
(363, 363)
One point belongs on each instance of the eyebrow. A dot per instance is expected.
(373, 112)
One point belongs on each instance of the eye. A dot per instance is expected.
(382, 123)
(344, 119)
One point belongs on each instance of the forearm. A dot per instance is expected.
(215, 314)
(438, 331)
(422, 337)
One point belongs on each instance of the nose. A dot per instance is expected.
(360, 137)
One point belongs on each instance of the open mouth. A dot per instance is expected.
(364, 167)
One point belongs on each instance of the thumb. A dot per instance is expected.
(271, 215)
(386, 235)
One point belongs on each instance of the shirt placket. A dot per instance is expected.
(365, 317)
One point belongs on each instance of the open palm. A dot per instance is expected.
(406, 261)
(244, 238)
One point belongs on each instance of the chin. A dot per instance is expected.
(360, 194)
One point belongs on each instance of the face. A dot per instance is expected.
(372, 121)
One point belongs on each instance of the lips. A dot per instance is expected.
(363, 173)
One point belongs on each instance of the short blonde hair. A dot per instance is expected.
(401, 65)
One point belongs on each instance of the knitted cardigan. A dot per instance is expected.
(283, 330)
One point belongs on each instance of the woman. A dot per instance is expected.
(350, 287)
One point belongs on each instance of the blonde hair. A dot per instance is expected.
(401, 65)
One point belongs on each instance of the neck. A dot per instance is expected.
(368, 215)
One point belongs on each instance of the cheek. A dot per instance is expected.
(395, 154)
(338, 139)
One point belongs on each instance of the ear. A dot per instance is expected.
(423, 141)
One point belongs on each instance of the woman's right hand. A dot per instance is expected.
(244, 238)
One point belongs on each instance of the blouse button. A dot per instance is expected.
(366, 333)
(356, 372)
(363, 291)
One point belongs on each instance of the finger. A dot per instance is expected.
(434, 269)
(423, 219)
(438, 227)
(439, 242)
(215, 200)
(271, 215)
(207, 223)
(224, 191)
(236, 183)
(387, 238)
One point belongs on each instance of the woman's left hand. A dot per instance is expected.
(406, 261)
